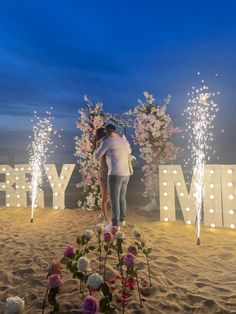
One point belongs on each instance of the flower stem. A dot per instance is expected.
(44, 301)
(123, 292)
(100, 254)
(149, 272)
(104, 270)
(139, 293)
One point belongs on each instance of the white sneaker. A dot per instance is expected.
(122, 223)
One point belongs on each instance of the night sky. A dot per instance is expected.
(54, 52)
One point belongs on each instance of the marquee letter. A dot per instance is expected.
(59, 183)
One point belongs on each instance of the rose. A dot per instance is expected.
(15, 305)
(94, 281)
(69, 250)
(120, 235)
(136, 233)
(88, 234)
(54, 281)
(55, 268)
(114, 230)
(90, 305)
(133, 250)
(99, 228)
(107, 237)
(83, 264)
(128, 259)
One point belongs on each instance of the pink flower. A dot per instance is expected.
(69, 250)
(133, 250)
(90, 305)
(54, 281)
(128, 259)
(114, 230)
(107, 237)
(56, 268)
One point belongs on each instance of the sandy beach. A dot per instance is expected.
(186, 278)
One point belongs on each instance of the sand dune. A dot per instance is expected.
(187, 278)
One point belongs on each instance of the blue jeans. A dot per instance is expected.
(117, 187)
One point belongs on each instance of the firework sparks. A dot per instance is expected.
(200, 115)
(38, 151)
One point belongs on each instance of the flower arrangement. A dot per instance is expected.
(153, 134)
(90, 119)
(97, 292)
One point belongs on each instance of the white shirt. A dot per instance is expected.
(117, 150)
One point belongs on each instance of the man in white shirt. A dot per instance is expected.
(117, 151)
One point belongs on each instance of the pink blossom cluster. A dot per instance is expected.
(153, 133)
(90, 119)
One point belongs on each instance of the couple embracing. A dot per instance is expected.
(113, 153)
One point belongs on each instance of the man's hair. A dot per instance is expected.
(110, 127)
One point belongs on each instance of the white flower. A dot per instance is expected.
(83, 264)
(99, 228)
(15, 305)
(120, 235)
(136, 232)
(94, 281)
(89, 234)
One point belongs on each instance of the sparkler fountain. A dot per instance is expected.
(200, 115)
(38, 150)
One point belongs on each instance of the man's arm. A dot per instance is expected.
(101, 150)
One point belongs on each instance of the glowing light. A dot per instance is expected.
(231, 197)
(189, 222)
(18, 205)
(164, 171)
(200, 115)
(211, 210)
(212, 171)
(187, 209)
(231, 211)
(56, 207)
(178, 184)
(165, 183)
(230, 184)
(38, 150)
(232, 226)
(212, 196)
(213, 225)
(181, 194)
(212, 186)
(229, 171)
(174, 171)
(166, 219)
(8, 205)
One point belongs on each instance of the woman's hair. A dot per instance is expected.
(100, 133)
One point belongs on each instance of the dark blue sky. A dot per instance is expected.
(54, 52)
